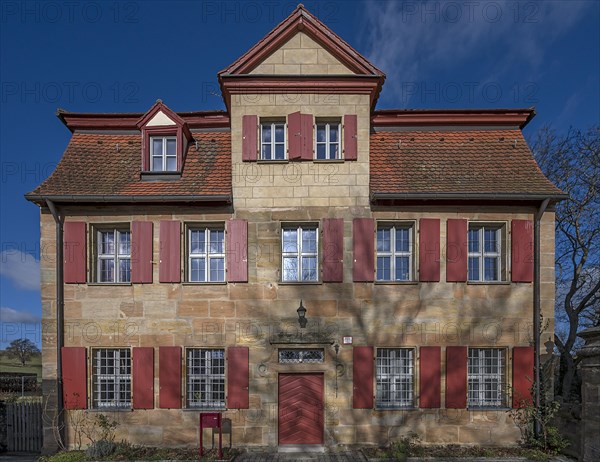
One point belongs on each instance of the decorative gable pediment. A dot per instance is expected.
(302, 31)
(160, 118)
(301, 55)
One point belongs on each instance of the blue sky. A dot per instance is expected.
(95, 56)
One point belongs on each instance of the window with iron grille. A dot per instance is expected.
(485, 253)
(486, 377)
(395, 378)
(111, 378)
(205, 378)
(297, 356)
(299, 254)
(206, 254)
(395, 252)
(272, 140)
(327, 140)
(113, 255)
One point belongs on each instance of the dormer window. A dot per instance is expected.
(163, 153)
(165, 139)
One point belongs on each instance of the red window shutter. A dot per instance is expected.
(169, 377)
(362, 377)
(249, 137)
(295, 136)
(430, 377)
(237, 251)
(522, 375)
(143, 377)
(363, 249)
(141, 252)
(333, 250)
(169, 269)
(456, 250)
(456, 377)
(74, 377)
(350, 137)
(429, 250)
(306, 135)
(237, 378)
(74, 252)
(522, 251)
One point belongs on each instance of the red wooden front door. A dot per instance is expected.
(301, 408)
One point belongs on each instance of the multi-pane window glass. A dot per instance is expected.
(328, 141)
(272, 140)
(395, 378)
(299, 253)
(163, 153)
(113, 256)
(111, 378)
(206, 255)
(205, 378)
(395, 253)
(485, 244)
(486, 377)
(297, 356)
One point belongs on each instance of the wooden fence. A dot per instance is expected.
(24, 426)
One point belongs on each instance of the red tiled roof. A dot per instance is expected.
(93, 166)
(476, 162)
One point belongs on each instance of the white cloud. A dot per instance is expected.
(21, 268)
(414, 41)
(12, 315)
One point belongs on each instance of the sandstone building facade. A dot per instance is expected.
(191, 242)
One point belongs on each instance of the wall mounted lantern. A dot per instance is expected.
(302, 316)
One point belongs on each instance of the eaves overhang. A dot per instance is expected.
(452, 117)
(396, 198)
(41, 199)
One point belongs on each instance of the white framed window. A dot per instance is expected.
(205, 378)
(486, 377)
(206, 254)
(113, 255)
(486, 256)
(299, 253)
(163, 153)
(111, 378)
(328, 140)
(395, 254)
(273, 140)
(395, 372)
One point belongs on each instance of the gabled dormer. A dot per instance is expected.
(165, 137)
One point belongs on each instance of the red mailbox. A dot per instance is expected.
(211, 420)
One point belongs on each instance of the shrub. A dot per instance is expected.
(100, 449)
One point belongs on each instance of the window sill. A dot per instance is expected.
(329, 161)
(489, 408)
(300, 283)
(396, 283)
(273, 161)
(110, 409)
(105, 284)
(204, 409)
(489, 283)
(404, 408)
(160, 176)
(209, 283)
